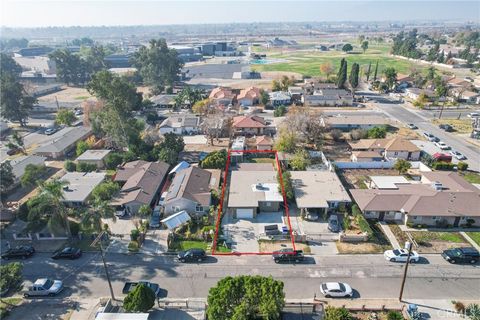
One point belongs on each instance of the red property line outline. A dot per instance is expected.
(222, 198)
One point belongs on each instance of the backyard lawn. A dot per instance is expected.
(183, 245)
(475, 237)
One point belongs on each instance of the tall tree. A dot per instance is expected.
(120, 98)
(65, 116)
(71, 68)
(8, 65)
(15, 103)
(369, 70)
(364, 46)
(158, 65)
(354, 76)
(375, 72)
(246, 297)
(390, 77)
(342, 74)
(6, 176)
(347, 47)
(441, 91)
(326, 68)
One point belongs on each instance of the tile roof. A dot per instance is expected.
(250, 93)
(248, 122)
(221, 93)
(395, 144)
(264, 141)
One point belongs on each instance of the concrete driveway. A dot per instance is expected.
(244, 233)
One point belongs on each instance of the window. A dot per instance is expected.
(198, 208)
(434, 218)
(176, 209)
(268, 204)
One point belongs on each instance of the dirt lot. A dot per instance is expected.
(219, 144)
(338, 151)
(68, 94)
(360, 248)
(265, 246)
(459, 125)
(357, 178)
(405, 133)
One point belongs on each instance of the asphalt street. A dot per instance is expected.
(370, 275)
(402, 114)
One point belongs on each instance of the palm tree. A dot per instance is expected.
(93, 217)
(50, 196)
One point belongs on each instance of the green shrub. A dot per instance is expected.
(333, 313)
(69, 166)
(462, 166)
(347, 223)
(364, 225)
(22, 212)
(74, 228)
(112, 160)
(356, 210)
(440, 165)
(133, 246)
(86, 167)
(473, 311)
(394, 315)
(134, 234)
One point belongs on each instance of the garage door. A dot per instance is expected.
(245, 213)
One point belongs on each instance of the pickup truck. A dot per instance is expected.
(44, 287)
(129, 286)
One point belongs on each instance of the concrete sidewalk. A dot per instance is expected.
(391, 237)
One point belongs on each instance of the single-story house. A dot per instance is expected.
(295, 92)
(348, 123)
(318, 191)
(63, 143)
(459, 83)
(465, 95)
(249, 97)
(365, 156)
(163, 100)
(20, 163)
(142, 183)
(96, 157)
(440, 198)
(280, 98)
(79, 187)
(396, 148)
(248, 125)
(253, 192)
(328, 97)
(180, 124)
(264, 143)
(414, 93)
(222, 96)
(190, 190)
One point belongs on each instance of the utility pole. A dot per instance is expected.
(408, 246)
(98, 240)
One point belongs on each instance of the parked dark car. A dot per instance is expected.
(446, 127)
(288, 255)
(462, 255)
(19, 252)
(333, 223)
(67, 253)
(191, 255)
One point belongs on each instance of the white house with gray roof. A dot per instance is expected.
(96, 157)
(79, 186)
(180, 124)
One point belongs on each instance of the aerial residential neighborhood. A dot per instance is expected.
(240, 160)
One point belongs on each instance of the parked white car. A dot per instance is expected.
(458, 155)
(336, 290)
(400, 255)
(473, 115)
(442, 145)
(44, 287)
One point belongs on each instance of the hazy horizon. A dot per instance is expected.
(67, 13)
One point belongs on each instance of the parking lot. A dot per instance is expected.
(430, 148)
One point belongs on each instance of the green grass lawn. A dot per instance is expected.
(308, 63)
(7, 304)
(475, 236)
(426, 236)
(183, 245)
(471, 177)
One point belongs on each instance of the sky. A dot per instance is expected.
(42, 13)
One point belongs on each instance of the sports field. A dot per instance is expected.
(307, 62)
